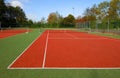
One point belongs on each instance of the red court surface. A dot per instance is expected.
(69, 49)
(8, 33)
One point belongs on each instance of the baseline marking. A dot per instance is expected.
(67, 68)
(64, 68)
(9, 67)
(44, 59)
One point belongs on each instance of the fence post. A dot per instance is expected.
(108, 25)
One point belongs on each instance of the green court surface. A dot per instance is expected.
(12, 47)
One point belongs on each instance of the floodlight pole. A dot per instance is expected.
(97, 24)
(73, 10)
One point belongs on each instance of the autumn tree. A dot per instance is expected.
(114, 8)
(114, 12)
(82, 22)
(54, 19)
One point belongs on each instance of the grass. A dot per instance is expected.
(111, 35)
(107, 35)
(11, 47)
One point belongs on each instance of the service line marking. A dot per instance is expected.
(79, 38)
(74, 37)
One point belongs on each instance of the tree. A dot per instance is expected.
(114, 12)
(2, 12)
(91, 15)
(14, 16)
(42, 22)
(104, 14)
(2, 8)
(114, 8)
(30, 22)
(104, 8)
(54, 19)
(68, 21)
(82, 22)
(59, 19)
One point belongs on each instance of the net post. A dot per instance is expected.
(27, 30)
(40, 29)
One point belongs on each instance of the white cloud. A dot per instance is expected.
(19, 3)
(16, 3)
(24, 1)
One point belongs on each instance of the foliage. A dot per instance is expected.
(103, 15)
(2, 11)
(68, 21)
(106, 13)
(14, 16)
(54, 19)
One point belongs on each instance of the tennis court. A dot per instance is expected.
(67, 49)
(12, 32)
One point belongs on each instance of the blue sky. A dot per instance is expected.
(36, 9)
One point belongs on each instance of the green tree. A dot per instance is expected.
(114, 13)
(30, 22)
(68, 21)
(20, 15)
(2, 12)
(14, 16)
(91, 15)
(104, 14)
(114, 7)
(43, 22)
(104, 7)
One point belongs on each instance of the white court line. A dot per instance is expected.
(79, 68)
(44, 59)
(68, 68)
(59, 68)
(79, 38)
(71, 35)
(12, 35)
(9, 67)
